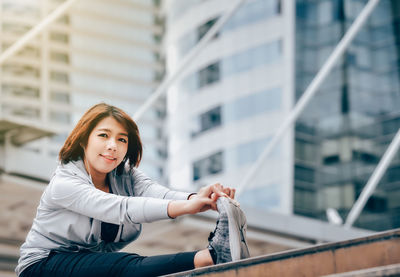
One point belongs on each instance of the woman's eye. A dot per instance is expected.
(123, 140)
(103, 135)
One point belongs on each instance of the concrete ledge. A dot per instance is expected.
(377, 250)
(389, 270)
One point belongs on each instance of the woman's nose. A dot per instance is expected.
(111, 145)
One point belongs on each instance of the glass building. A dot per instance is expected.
(99, 51)
(344, 131)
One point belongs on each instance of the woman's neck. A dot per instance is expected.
(99, 180)
(100, 183)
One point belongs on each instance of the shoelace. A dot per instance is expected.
(212, 234)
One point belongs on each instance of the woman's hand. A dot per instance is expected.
(214, 192)
(204, 200)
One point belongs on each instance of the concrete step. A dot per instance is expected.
(381, 249)
(388, 270)
(7, 274)
(9, 255)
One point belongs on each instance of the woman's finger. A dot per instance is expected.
(218, 189)
(233, 192)
(219, 186)
(227, 191)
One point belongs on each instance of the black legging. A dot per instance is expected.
(87, 264)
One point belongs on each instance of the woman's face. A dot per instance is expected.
(106, 147)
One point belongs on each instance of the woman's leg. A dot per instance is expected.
(203, 258)
(110, 264)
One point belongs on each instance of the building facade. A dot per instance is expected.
(97, 52)
(343, 133)
(231, 99)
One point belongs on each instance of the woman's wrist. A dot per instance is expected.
(177, 208)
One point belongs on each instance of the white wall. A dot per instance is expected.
(277, 172)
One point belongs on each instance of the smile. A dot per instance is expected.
(109, 158)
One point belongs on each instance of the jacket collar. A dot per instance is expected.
(77, 168)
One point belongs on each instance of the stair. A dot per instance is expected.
(374, 255)
(9, 254)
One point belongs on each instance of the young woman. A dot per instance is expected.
(97, 199)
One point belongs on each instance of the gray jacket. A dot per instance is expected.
(71, 210)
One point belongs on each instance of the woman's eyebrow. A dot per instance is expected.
(109, 131)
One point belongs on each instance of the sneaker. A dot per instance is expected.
(228, 241)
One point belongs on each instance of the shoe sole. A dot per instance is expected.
(237, 229)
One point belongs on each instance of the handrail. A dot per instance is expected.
(373, 181)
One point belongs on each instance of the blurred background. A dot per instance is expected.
(212, 123)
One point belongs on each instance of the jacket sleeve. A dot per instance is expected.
(75, 194)
(144, 186)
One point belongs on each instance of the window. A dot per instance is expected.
(249, 152)
(365, 157)
(16, 29)
(303, 173)
(60, 117)
(393, 174)
(27, 112)
(207, 121)
(208, 166)
(59, 37)
(59, 57)
(252, 58)
(376, 204)
(305, 150)
(265, 197)
(60, 77)
(60, 96)
(390, 126)
(252, 105)
(203, 29)
(27, 51)
(209, 75)
(21, 70)
(63, 19)
(330, 160)
(189, 40)
(18, 90)
(339, 196)
(304, 199)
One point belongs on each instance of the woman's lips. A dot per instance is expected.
(108, 158)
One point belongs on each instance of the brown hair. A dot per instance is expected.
(78, 138)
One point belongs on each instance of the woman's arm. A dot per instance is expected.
(77, 195)
(144, 186)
